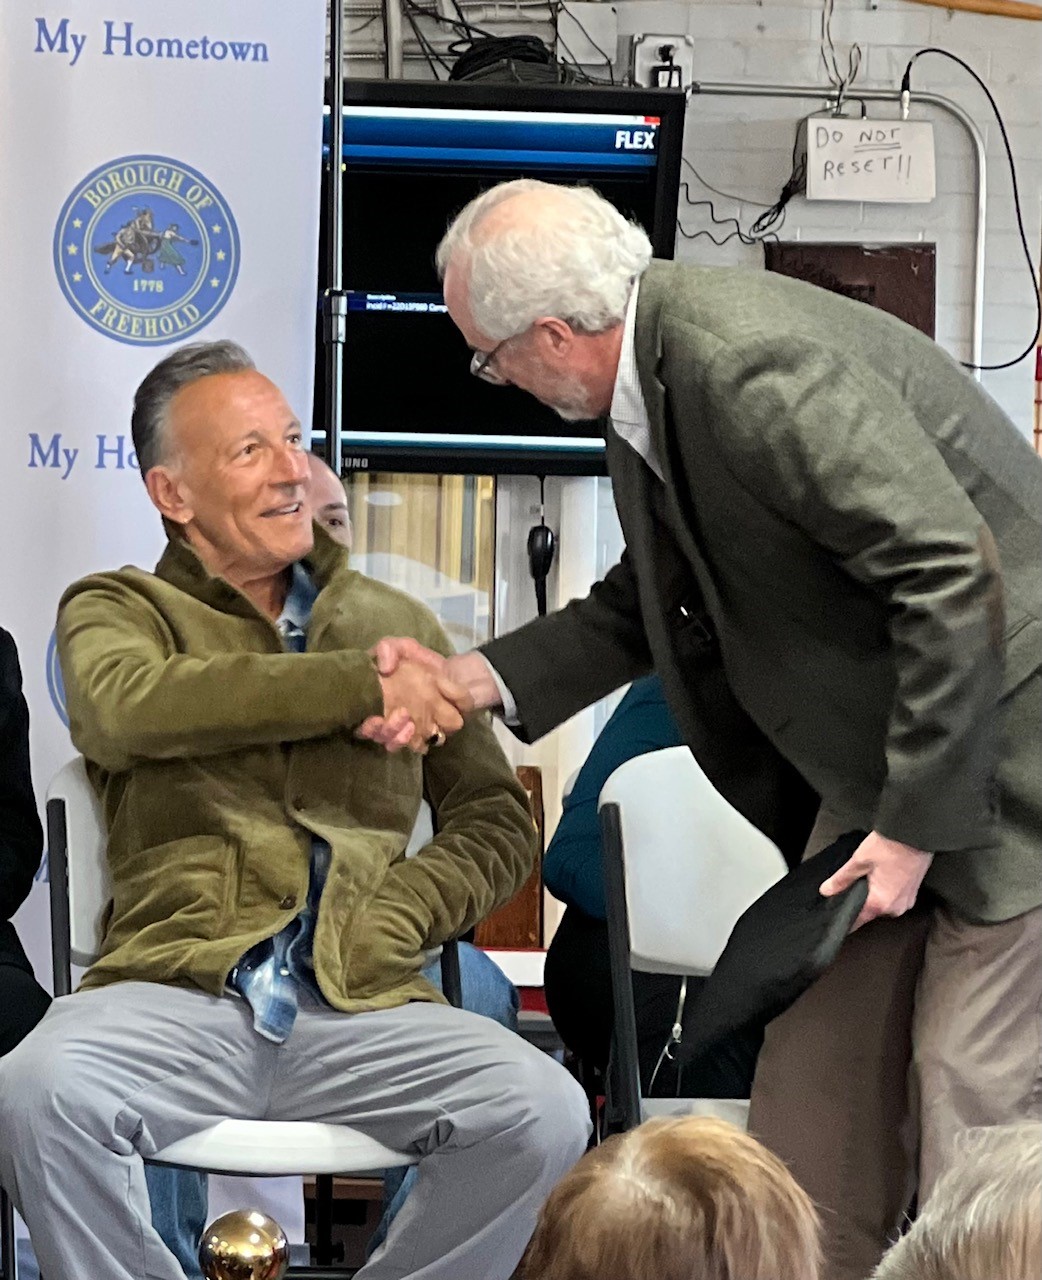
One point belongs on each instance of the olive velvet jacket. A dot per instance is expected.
(838, 579)
(218, 755)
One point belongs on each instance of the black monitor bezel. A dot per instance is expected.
(667, 105)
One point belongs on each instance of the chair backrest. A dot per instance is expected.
(692, 862)
(77, 838)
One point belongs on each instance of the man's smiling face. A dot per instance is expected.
(237, 462)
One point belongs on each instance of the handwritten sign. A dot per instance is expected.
(874, 160)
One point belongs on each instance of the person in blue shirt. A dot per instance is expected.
(578, 973)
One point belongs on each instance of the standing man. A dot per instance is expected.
(834, 562)
(263, 952)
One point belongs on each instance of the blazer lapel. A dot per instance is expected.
(677, 503)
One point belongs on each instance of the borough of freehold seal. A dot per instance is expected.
(146, 250)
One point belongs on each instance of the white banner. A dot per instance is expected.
(160, 183)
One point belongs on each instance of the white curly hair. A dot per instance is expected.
(575, 260)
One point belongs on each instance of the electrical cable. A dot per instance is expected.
(767, 225)
(726, 195)
(774, 216)
(429, 52)
(461, 25)
(676, 1035)
(906, 93)
(745, 237)
(830, 59)
(485, 55)
(354, 31)
(608, 62)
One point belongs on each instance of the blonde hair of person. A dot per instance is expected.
(688, 1198)
(984, 1218)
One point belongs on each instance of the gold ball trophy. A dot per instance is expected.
(244, 1245)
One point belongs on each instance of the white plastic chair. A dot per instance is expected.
(79, 896)
(680, 865)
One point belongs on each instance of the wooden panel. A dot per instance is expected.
(519, 923)
(899, 278)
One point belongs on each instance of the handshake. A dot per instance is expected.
(425, 695)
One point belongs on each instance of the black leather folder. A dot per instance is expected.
(778, 947)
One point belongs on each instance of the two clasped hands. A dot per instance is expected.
(425, 694)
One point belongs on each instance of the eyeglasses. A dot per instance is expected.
(481, 365)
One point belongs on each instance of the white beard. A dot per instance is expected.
(573, 404)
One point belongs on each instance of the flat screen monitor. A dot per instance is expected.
(414, 155)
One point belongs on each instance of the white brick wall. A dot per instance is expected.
(742, 145)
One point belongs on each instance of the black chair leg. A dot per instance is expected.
(8, 1263)
(622, 1079)
(325, 1251)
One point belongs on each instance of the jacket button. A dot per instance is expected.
(298, 802)
(287, 902)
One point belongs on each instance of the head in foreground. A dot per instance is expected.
(984, 1218)
(688, 1198)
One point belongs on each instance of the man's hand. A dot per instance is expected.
(466, 671)
(420, 704)
(895, 871)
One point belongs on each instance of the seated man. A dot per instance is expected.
(683, 1198)
(263, 954)
(578, 969)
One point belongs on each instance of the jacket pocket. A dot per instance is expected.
(185, 885)
(385, 952)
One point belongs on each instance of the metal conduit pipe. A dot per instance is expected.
(392, 10)
(334, 303)
(722, 89)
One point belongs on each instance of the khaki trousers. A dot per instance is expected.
(924, 1026)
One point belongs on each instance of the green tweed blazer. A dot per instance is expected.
(840, 574)
(218, 755)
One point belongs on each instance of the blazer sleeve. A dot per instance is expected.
(21, 836)
(833, 449)
(131, 698)
(557, 665)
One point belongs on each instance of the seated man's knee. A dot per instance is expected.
(555, 1107)
(47, 1085)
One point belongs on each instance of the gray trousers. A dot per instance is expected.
(113, 1075)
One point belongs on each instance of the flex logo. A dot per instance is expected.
(634, 140)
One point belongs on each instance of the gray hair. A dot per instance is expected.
(984, 1217)
(576, 262)
(181, 368)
